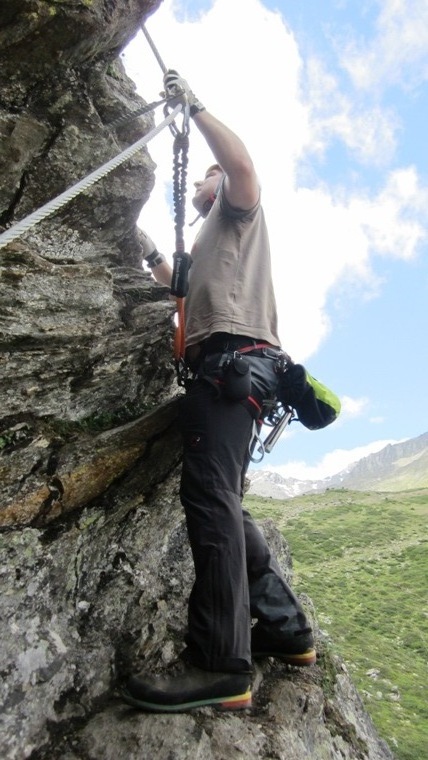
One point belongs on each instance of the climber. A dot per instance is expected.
(232, 349)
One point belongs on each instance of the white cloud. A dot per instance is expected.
(367, 130)
(330, 464)
(353, 407)
(398, 53)
(390, 222)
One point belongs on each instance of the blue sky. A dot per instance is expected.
(331, 99)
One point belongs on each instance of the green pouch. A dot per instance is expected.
(316, 405)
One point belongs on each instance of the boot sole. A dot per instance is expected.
(300, 660)
(238, 702)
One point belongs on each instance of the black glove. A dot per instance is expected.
(177, 88)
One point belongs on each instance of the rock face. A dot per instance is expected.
(94, 560)
(90, 599)
(85, 333)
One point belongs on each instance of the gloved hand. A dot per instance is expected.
(150, 253)
(147, 244)
(177, 87)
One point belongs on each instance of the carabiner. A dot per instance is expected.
(255, 438)
(184, 131)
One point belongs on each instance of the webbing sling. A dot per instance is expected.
(182, 260)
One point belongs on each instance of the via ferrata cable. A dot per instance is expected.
(55, 204)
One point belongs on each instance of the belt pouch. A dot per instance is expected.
(237, 378)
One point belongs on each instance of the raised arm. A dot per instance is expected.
(241, 184)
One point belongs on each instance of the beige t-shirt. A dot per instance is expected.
(230, 281)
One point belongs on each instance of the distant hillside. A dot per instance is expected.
(361, 557)
(397, 467)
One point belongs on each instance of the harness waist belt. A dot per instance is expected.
(223, 342)
(228, 342)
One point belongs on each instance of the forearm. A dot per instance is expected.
(156, 261)
(163, 273)
(241, 183)
(228, 149)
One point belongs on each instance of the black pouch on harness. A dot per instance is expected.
(237, 378)
(315, 404)
(229, 374)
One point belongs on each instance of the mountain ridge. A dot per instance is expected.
(397, 467)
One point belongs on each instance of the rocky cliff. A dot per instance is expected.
(94, 560)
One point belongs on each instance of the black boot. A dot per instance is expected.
(190, 688)
(293, 647)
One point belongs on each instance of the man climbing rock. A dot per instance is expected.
(232, 350)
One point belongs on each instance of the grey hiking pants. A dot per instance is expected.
(236, 577)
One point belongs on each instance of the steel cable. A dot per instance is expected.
(55, 204)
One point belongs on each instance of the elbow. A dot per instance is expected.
(242, 173)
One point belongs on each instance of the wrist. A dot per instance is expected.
(195, 108)
(154, 259)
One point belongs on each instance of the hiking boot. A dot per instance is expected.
(295, 648)
(191, 688)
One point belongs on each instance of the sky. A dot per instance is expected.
(331, 100)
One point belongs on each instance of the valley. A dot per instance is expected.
(362, 558)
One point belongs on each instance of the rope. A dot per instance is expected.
(181, 259)
(181, 159)
(56, 203)
(181, 150)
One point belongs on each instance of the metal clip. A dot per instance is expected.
(255, 438)
(185, 129)
(182, 372)
(283, 417)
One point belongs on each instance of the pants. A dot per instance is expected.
(236, 577)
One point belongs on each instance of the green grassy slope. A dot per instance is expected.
(362, 557)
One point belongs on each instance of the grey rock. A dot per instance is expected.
(103, 595)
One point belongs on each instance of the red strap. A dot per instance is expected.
(246, 349)
(255, 403)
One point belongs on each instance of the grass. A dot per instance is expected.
(362, 558)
